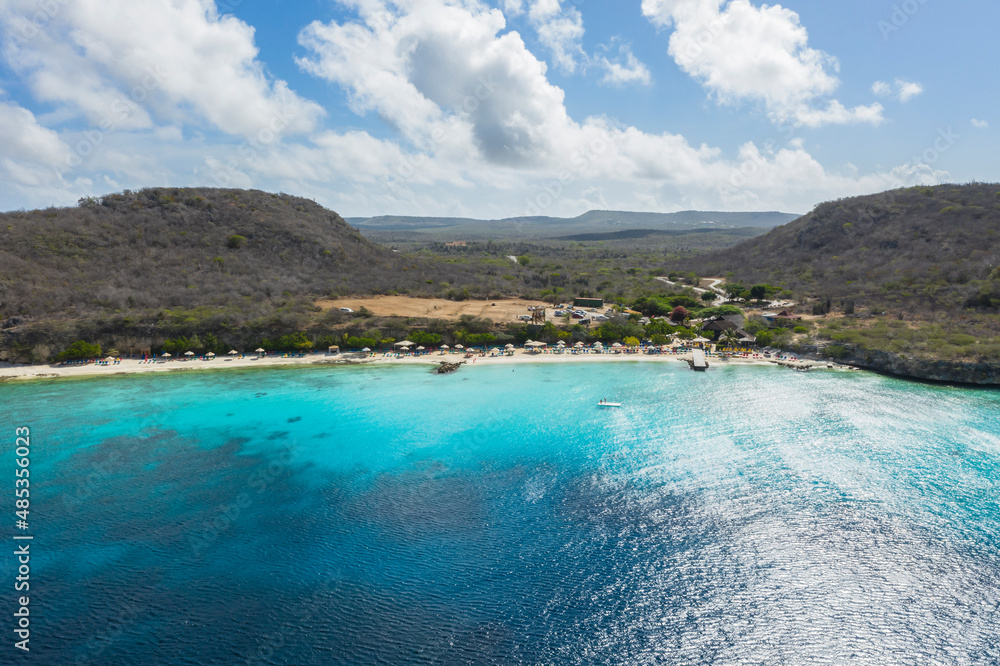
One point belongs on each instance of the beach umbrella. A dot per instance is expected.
(508, 346)
(616, 345)
(404, 343)
(598, 344)
(189, 353)
(459, 347)
(579, 344)
(259, 350)
(420, 348)
(700, 339)
(210, 354)
(560, 344)
(110, 358)
(366, 349)
(166, 354)
(534, 345)
(495, 349)
(445, 347)
(233, 352)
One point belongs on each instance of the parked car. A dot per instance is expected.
(525, 317)
(346, 310)
(559, 313)
(600, 318)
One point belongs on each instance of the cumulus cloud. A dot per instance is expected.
(980, 124)
(901, 90)
(623, 69)
(560, 29)
(175, 60)
(740, 52)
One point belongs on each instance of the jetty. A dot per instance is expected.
(698, 361)
(446, 368)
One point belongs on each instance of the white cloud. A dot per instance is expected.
(560, 29)
(624, 69)
(901, 90)
(980, 124)
(741, 52)
(174, 60)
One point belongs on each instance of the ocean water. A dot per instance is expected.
(748, 515)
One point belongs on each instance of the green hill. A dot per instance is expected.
(912, 273)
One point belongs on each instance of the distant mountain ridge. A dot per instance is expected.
(595, 221)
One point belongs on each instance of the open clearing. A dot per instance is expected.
(437, 308)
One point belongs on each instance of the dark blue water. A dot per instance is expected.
(384, 515)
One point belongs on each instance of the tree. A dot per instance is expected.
(709, 296)
(79, 351)
(631, 341)
(759, 292)
(730, 338)
(679, 314)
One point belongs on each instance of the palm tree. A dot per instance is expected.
(730, 338)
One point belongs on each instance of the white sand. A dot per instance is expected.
(131, 366)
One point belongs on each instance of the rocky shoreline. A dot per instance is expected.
(922, 369)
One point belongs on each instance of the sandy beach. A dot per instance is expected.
(9, 372)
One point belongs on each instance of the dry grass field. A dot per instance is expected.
(438, 308)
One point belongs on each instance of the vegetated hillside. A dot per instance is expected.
(916, 250)
(180, 248)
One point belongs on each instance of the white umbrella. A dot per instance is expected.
(560, 344)
(166, 354)
(700, 339)
(509, 346)
(110, 358)
(445, 347)
(404, 343)
(459, 347)
(579, 344)
(189, 353)
(495, 349)
(598, 344)
(617, 344)
(420, 348)
(210, 354)
(366, 349)
(259, 350)
(233, 352)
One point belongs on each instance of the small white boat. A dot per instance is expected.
(609, 404)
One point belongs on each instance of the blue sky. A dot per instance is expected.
(497, 108)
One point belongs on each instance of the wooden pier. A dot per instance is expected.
(698, 361)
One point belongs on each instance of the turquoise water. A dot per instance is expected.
(497, 515)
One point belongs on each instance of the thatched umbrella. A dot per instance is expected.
(459, 347)
(165, 354)
(210, 354)
(598, 345)
(259, 350)
(560, 344)
(420, 348)
(233, 352)
(616, 345)
(445, 347)
(579, 345)
(189, 353)
(508, 346)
